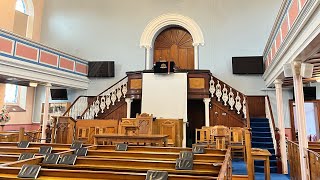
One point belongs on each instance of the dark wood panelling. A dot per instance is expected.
(134, 82)
(220, 115)
(175, 44)
(198, 84)
(135, 108)
(257, 106)
(117, 111)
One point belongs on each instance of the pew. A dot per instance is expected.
(131, 164)
(57, 174)
(165, 156)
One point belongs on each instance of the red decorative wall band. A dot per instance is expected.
(81, 68)
(26, 52)
(66, 64)
(293, 12)
(48, 58)
(6, 45)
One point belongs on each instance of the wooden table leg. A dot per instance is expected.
(95, 141)
(165, 140)
(267, 168)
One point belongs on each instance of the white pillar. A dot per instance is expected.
(207, 110)
(301, 119)
(283, 147)
(196, 56)
(129, 101)
(45, 113)
(184, 134)
(148, 58)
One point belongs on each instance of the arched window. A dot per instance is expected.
(11, 94)
(24, 17)
(21, 6)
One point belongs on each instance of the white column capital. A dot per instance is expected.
(48, 85)
(195, 44)
(206, 100)
(296, 68)
(278, 83)
(148, 47)
(128, 100)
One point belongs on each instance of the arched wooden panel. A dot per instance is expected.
(175, 44)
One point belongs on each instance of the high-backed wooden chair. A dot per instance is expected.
(220, 136)
(124, 123)
(203, 136)
(83, 134)
(144, 123)
(169, 128)
(237, 141)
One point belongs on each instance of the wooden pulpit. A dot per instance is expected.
(63, 130)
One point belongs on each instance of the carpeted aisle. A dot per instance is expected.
(239, 167)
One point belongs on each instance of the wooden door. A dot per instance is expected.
(196, 119)
(175, 44)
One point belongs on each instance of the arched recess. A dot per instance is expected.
(165, 21)
(175, 44)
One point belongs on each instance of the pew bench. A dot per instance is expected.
(61, 174)
(128, 165)
(213, 158)
(155, 149)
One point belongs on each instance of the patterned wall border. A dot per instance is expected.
(18, 48)
(287, 16)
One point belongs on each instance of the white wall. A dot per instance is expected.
(111, 30)
(40, 98)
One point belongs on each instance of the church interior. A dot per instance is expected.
(157, 90)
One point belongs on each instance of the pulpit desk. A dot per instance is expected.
(153, 139)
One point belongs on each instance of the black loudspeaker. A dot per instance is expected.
(101, 69)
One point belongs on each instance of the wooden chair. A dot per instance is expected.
(169, 128)
(220, 137)
(203, 136)
(126, 123)
(83, 134)
(237, 142)
(144, 122)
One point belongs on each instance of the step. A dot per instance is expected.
(262, 139)
(259, 124)
(261, 169)
(273, 163)
(259, 120)
(262, 145)
(261, 134)
(260, 130)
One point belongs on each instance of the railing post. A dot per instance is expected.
(207, 110)
(21, 134)
(128, 101)
(250, 165)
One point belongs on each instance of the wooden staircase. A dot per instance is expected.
(228, 106)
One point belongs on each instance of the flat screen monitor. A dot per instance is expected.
(59, 94)
(247, 65)
(101, 69)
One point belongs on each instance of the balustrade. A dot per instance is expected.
(226, 95)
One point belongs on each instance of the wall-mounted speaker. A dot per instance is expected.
(306, 70)
(287, 70)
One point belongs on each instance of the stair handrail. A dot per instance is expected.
(230, 97)
(96, 97)
(73, 103)
(226, 169)
(269, 115)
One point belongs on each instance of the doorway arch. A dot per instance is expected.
(175, 44)
(157, 25)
